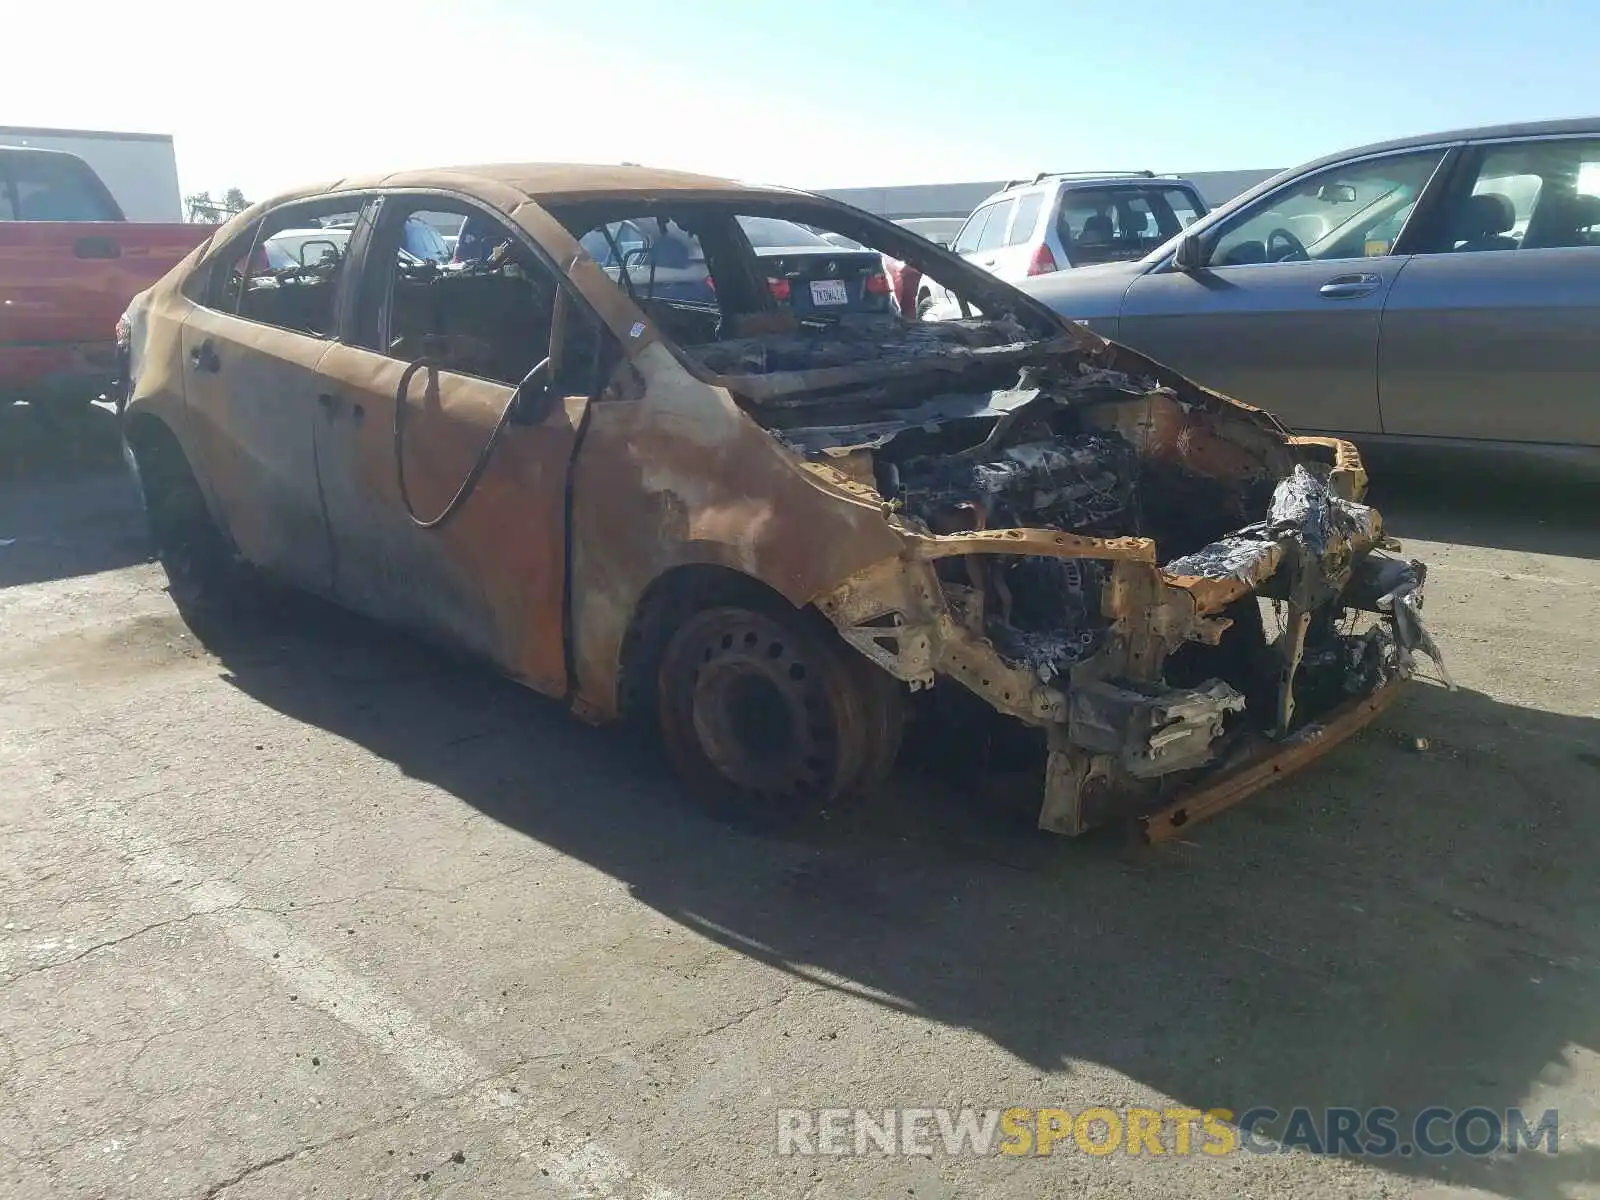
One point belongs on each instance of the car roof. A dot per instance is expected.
(1569, 125)
(1481, 133)
(539, 181)
(1073, 181)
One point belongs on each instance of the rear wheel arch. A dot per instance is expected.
(153, 447)
(193, 549)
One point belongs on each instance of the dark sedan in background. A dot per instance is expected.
(806, 272)
(1439, 291)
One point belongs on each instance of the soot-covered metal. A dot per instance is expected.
(1126, 463)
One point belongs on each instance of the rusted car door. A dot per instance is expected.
(250, 354)
(490, 577)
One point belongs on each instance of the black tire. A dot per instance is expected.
(202, 574)
(767, 718)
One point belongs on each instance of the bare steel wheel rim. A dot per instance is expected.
(761, 711)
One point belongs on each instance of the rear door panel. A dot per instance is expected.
(250, 391)
(491, 579)
(1498, 344)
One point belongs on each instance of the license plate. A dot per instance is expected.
(829, 291)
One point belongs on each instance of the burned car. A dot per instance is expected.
(764, 517)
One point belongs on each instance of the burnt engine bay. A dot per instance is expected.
(1073, 446)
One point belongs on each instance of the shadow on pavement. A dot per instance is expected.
(1509, 513)
(40, 445)
(67, 506)
(1396, 927)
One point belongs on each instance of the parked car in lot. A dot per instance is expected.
(806, 271)
(69, 264)
(903, 277)
(1055, 222)
(762, 524)
(292, 248)
(1439, 292)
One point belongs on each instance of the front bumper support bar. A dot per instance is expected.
(1272, 762)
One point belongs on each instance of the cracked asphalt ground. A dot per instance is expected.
(299, 908)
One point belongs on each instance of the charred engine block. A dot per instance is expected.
(1042, 613)
(1079, 482)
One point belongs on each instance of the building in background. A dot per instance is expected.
(959, 199)
(141, 169)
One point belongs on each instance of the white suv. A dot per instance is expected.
(1055, 221)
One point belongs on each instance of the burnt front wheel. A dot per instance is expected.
(768, 720)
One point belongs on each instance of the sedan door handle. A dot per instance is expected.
(204, 358)
(1350, 287)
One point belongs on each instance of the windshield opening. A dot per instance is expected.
(744, 292)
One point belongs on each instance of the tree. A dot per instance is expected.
(201, 207)
(204, 209)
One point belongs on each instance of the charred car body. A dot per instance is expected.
(766, 525)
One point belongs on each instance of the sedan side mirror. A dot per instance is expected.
(1189, 256)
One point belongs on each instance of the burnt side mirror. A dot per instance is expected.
(1190, 254)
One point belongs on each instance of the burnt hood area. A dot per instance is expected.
(1060, 442)
(1064, 443)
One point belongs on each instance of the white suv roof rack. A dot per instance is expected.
(1043, 175)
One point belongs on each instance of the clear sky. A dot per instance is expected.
(820, 93)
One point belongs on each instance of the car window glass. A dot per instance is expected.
(769, 231)
(1121, 222)
(994, 232)
(1022, 225)
(1329, 214)
(422, 236)
(54, 187)
(1528, 195)
(486, 310)
(967, 240)
(288, 274)
(1185, 209)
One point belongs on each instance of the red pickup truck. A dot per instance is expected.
(69, 264)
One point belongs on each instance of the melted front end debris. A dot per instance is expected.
(1039, 493)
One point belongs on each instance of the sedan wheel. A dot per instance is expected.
(768, 720)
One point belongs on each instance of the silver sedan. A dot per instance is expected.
(1439, 291)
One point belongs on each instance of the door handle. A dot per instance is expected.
(204, 358)
(1350, 287)
(96, 247)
